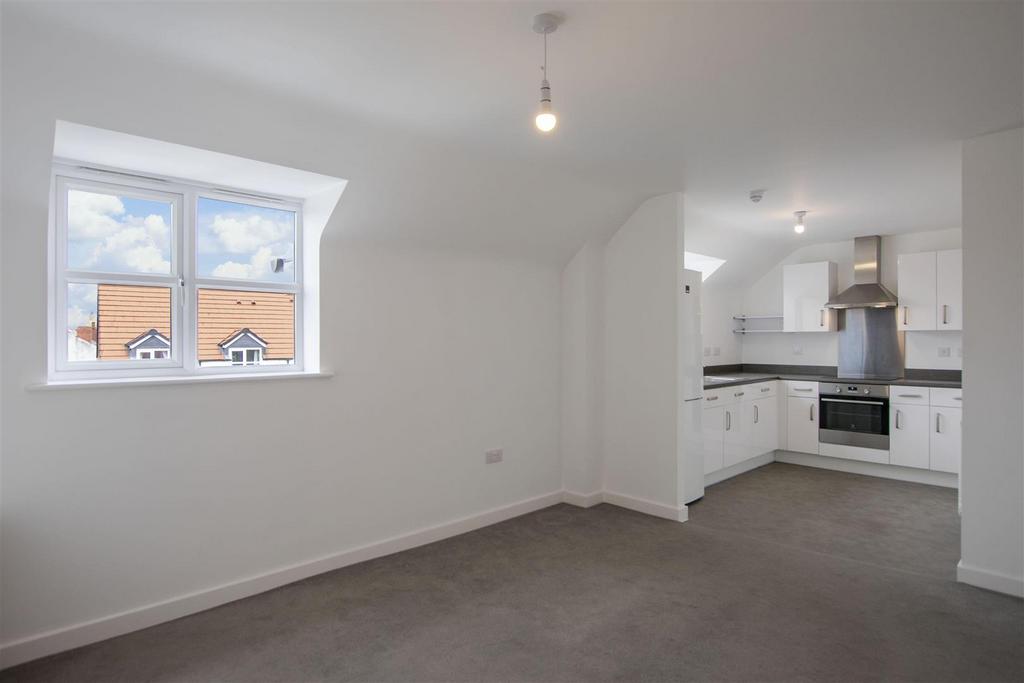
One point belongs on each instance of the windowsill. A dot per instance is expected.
(165, 381)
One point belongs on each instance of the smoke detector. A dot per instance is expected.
(757, 195)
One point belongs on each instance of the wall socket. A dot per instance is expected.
(798, 350)
(494, 455)
(943, 352)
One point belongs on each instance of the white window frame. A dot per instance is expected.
(244, 350)
(182, 280)
(148, 354)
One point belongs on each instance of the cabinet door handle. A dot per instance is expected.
(765, 389)
(811, 417)
(712, 398)
(898, 420)
(728, 420)
(958, 398)
(945, 314)
(755, 415)
(802, 389)
(821, 318)
(906, 314)
(910, 395)
(738, 394)
(938, 423)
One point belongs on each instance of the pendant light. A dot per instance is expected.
(546, 119)
(798, 227)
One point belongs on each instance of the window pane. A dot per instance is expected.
(118, 322)
(119, 234)
(232, 322)
(245, 242)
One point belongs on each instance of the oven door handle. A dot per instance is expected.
(847, 400)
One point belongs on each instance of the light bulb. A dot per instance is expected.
(546, 121)
(798, 228)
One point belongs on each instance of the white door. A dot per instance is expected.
(944, 444)
(949, 269)
(737, 435)
(802, 423)
(765, 425)
(908, 438)
(915, 278)
(806, 288)
(714, 435)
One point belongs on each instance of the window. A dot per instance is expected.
(707, 265)
(159, 278)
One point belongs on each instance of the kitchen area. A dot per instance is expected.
(870, 413)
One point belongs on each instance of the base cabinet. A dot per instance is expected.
(802, 424)
(908, 435)
(945, 438)
(714, 438)
(764, 423)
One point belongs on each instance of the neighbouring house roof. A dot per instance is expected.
(149, 340)
(244, 337)
(86, 333)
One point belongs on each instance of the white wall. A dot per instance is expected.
(582, 407)
(718, 306)
(110, 495)
(765, 297)
(992, 479)
(643, 263)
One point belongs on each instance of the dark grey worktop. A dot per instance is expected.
(750, 374)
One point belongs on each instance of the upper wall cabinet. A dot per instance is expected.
(806, 288)
(929, 285)
(949, 284)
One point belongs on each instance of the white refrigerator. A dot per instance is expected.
(690, 441)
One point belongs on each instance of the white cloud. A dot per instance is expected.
(258, 266)
(241, 235)
(139, 245)
(91, 215)
(78, 317)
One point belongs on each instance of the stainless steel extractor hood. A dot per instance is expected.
(867, 290)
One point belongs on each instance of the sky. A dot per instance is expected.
(128, 235)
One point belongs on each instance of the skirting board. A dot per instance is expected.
(869, 468)
(993, 581)
(58, 640)
(648, 507)
(582, 500)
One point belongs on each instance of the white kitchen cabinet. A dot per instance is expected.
(763, 414)
(806, 288)
(945, 437)
(802, 424)
(949, 283)
(908, 434)
(713, 428)
(915, 285)
(737, 435)
(930, 290)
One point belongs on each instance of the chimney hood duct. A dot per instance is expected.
(867, 290)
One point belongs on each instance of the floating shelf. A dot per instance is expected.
(759, 331)
(757, 317)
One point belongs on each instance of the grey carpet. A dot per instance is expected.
(783, 574)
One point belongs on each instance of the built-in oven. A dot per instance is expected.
(854, 414)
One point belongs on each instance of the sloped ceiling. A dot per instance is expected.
(853, 111)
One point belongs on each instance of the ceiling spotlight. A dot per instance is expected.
(546, 119)
(798, 227)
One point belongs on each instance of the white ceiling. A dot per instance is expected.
(853, 111)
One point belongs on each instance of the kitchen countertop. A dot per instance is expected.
(737, 379)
